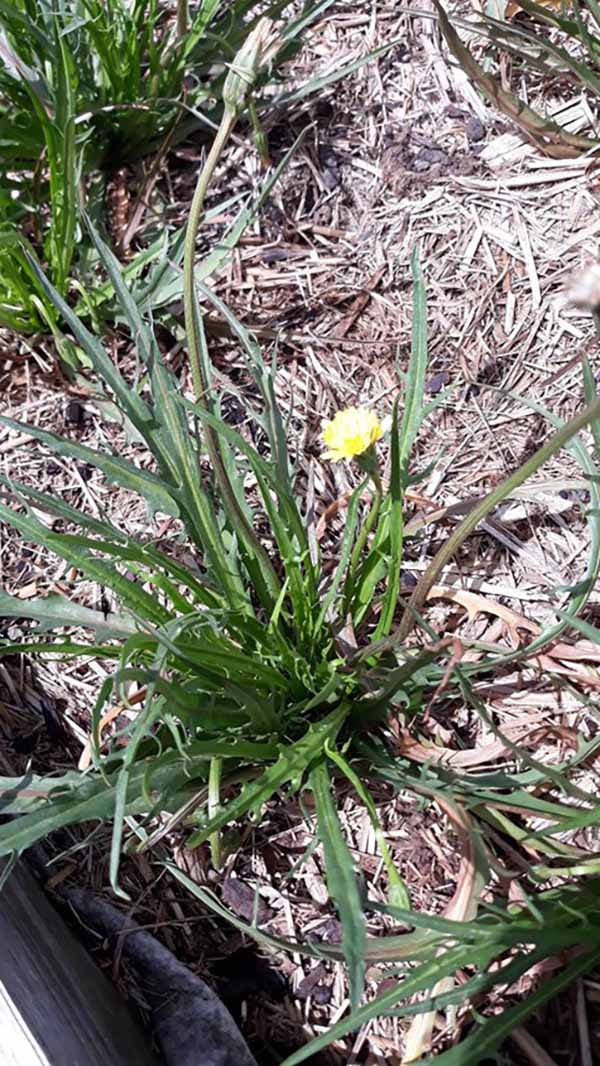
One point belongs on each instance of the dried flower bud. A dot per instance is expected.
(259, 48)
(584, 291)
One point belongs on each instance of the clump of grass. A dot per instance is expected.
(249, 688)
(90, 86)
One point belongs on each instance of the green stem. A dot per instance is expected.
(200, 381)
(182, 18)
(362, 538)
(489, 502)
(201, 386)
(214, 802)
(258, 133)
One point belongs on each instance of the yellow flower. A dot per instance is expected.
(352, 432)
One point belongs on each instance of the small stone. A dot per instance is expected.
(474, 129)
(330, 169)
(86, 471)
(322, 995)
(432, 155)
(241, 897)
(437, 382)
(74, 413)
(407, 579)
(309, 983)
(275, 255)
(331, 931)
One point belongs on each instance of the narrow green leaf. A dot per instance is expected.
(345, 552)
(409, 946)
(488, 1037)
(558, 440)
(414, 395)
(342, 882)
(74, 550)
(398, 894)
(394, 520)
(52, 611)
(158, 496)
(83, 798)
(290, 767)
(590, 392)
(116, 543)
(128, 398)
(318, 83)
(168, 287)
(271, 420)
(420, 979)
(179, 453)
(141, 333)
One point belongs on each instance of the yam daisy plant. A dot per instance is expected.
(256, 673)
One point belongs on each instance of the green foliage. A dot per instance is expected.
(256, 681)
(89, 86)
(114, 73)
(250, 678)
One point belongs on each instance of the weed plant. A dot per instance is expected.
(260, 673)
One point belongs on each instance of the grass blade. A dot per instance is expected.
(158, 496)
(290, 767)
(129, 400)
(54, 610)
(557, 441)
(548, 135)
(398, 895)
(342, 881)
(488, 1037)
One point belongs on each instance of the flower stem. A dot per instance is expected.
(201, 386)
(362, 538)
(214, 802)
(200, 380)
(182, 18)
(558, 440)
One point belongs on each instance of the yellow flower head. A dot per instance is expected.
(351, 432)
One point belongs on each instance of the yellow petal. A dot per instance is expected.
(351, 432)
